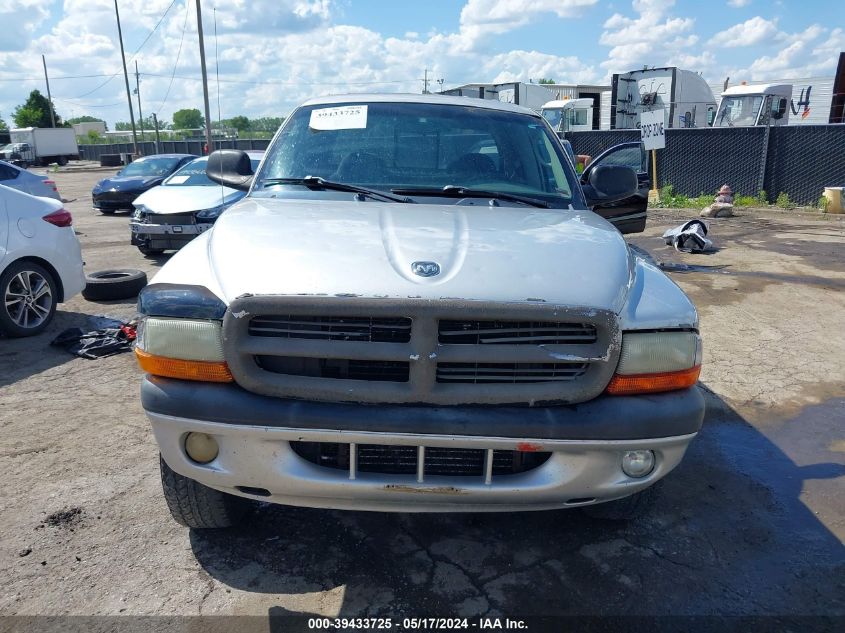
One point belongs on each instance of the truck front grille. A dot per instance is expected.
(329, 328)
(515, 333)
(509, 372)
(337, 368)
(418, 351)
(418, 460)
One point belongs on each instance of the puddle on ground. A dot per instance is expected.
(809, 280)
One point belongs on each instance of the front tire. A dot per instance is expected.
(196, 506)
(30, 295)
(626, 509)
(149, 252)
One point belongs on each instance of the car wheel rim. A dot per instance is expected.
(28, 299)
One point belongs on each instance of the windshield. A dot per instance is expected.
(193, 174)
(388, 146)
(738, 111)
(553, 117)
(150, 167)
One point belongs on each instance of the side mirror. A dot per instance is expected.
(230, 168)
(779, 109)
(609, 183)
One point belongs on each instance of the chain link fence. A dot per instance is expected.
(797, 160)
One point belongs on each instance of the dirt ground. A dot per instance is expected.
(751, 523)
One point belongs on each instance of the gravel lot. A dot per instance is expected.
(751, 523)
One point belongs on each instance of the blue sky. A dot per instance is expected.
(293, 49)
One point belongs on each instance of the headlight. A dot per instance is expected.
(211, 214)
(657, 361)
(140, 210)
(182, 348)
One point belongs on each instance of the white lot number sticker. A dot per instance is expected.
(177, 180)
(341, 118)
(651, 129)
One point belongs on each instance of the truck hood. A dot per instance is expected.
(509, 254)
(182, 199)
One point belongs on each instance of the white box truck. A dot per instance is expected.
(41, 146)
(684, 94)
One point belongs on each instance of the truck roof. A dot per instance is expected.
(437, 99)
(562, 103)
(758, 89)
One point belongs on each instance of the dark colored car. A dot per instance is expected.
(118, 192)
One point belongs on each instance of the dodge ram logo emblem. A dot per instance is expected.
(426, 269)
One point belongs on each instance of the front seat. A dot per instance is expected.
(472, 167)
(360, 167)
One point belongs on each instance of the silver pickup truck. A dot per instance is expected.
(418, 306)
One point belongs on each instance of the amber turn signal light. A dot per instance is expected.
(653, 383)
(204, 371)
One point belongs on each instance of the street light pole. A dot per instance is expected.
(126, 79)
(204, 80)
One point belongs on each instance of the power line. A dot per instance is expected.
(292, 83)
(178, 53)
(137, 50)
(53, 78)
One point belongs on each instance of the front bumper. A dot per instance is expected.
(114, 200)
(254, 432)
(168, 236)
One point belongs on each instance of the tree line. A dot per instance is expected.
(35, 112)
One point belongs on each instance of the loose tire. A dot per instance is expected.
(146, 250)
(625, 509)
(105, 285)
(30, 295)
(197, 506)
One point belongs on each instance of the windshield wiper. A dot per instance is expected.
(316, 182)
(455, 191)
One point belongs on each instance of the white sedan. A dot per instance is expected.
(40, 261)
(24, 180)
(183, 206)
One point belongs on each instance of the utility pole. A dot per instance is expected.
(126, 79)
(155, 124)
(49, 98)
(204, 81)
(138, 92)
(425, 82)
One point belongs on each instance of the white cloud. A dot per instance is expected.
(22, 17)
(480, 18)
(748, 33)
(654, 38)
(738, 4)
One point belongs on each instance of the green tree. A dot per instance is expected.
(267, 124)
(543, 80)
(240, 123)
(85, 119)
(35, 112)
(3, 125)
(122, 126)
(188, 118)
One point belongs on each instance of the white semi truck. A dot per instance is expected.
(683, 94)
(41, 146)
(569, 115)
(802, 102)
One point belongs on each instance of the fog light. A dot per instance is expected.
(201, 448)
(638, 463)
